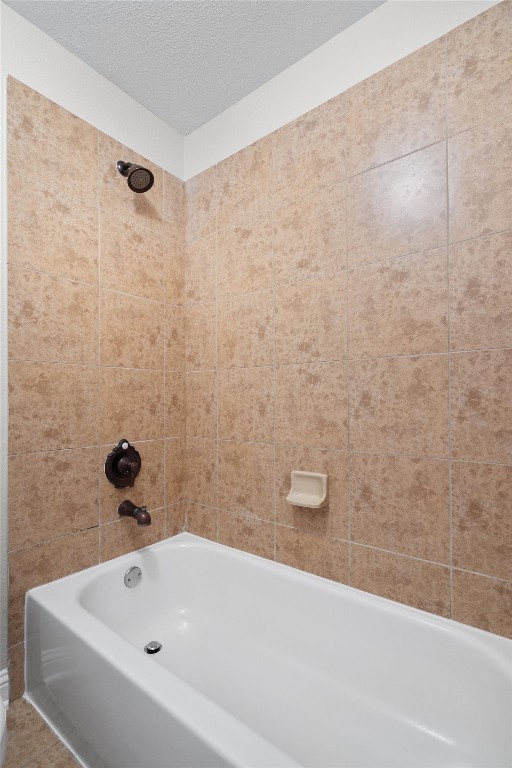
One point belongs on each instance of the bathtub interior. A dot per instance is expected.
(315, 668)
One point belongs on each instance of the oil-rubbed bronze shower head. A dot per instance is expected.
(139, 179)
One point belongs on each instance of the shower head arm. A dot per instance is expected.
(123, 167)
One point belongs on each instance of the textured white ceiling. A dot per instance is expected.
(188, 60)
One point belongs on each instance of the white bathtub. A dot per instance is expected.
(261, 665)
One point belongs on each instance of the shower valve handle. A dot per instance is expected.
(122, 465)
(128, 467)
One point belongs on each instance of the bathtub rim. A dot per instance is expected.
(501, 644)
(214, 725)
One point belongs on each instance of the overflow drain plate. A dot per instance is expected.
(153, 647)
(132, 577)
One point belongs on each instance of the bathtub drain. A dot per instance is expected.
(153, 647)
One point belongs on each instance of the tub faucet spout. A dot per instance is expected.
(128, 509)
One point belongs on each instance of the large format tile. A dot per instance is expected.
(174, 206)
(32, 566)
(247, 534)
(311, 405)
(52, 406)
(413, 582)
(201, 404)
(175, 403)
(175, 519)
(400, 307)
(55, 757)
(309, 152)
(52, 319)
(201, 270)
(399, 208)
(201, 471)
(244, 184)
(174, 350)
(481, 416)
(332, 520)
(482, 602)
(201, 201)
(310, 320)
(246, 478)
(51, 494)
(401, 505)
(132, 331)
(174, 269)
(398, 110)
(131, 405)
(48, 142)
(132, 258)
(482, 523)
(202, 521)
(174, 470)
(28, 734)
(245, 329)
(479, 172)
(315, 554)
(400, 405)
(49, 232)
(479, 77)
(246, 404)
(244, 258)
(201, 336)
(310, 236)
(481, 292)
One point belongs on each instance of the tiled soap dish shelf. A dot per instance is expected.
(309, 489)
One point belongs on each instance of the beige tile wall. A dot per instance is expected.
(347, 310)
(335, 297)
(96, 279)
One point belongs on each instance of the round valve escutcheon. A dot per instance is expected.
(122, 465)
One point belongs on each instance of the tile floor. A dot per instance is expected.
(31, 743)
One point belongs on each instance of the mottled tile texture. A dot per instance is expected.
(334, 298)
(359, 324)
(97, 353)
(31, 742)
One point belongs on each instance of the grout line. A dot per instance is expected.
(249, 516)
(165, 272)
(35, 758)
(58, 363)
(99, 401)
(482, 575)
(57, 191)
(401, 554)
(348, 372)
(54, 538)
(485, 235)
(217, 352)
(274, 375)
(449, 323)
(338, 361)
(333, 273)
(498, 119)
(414, 457)
(160, 302)
(271, 217)
(22, 267)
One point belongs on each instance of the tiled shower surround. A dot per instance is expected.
(342, 305)
(95, 272)
(348, 299)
